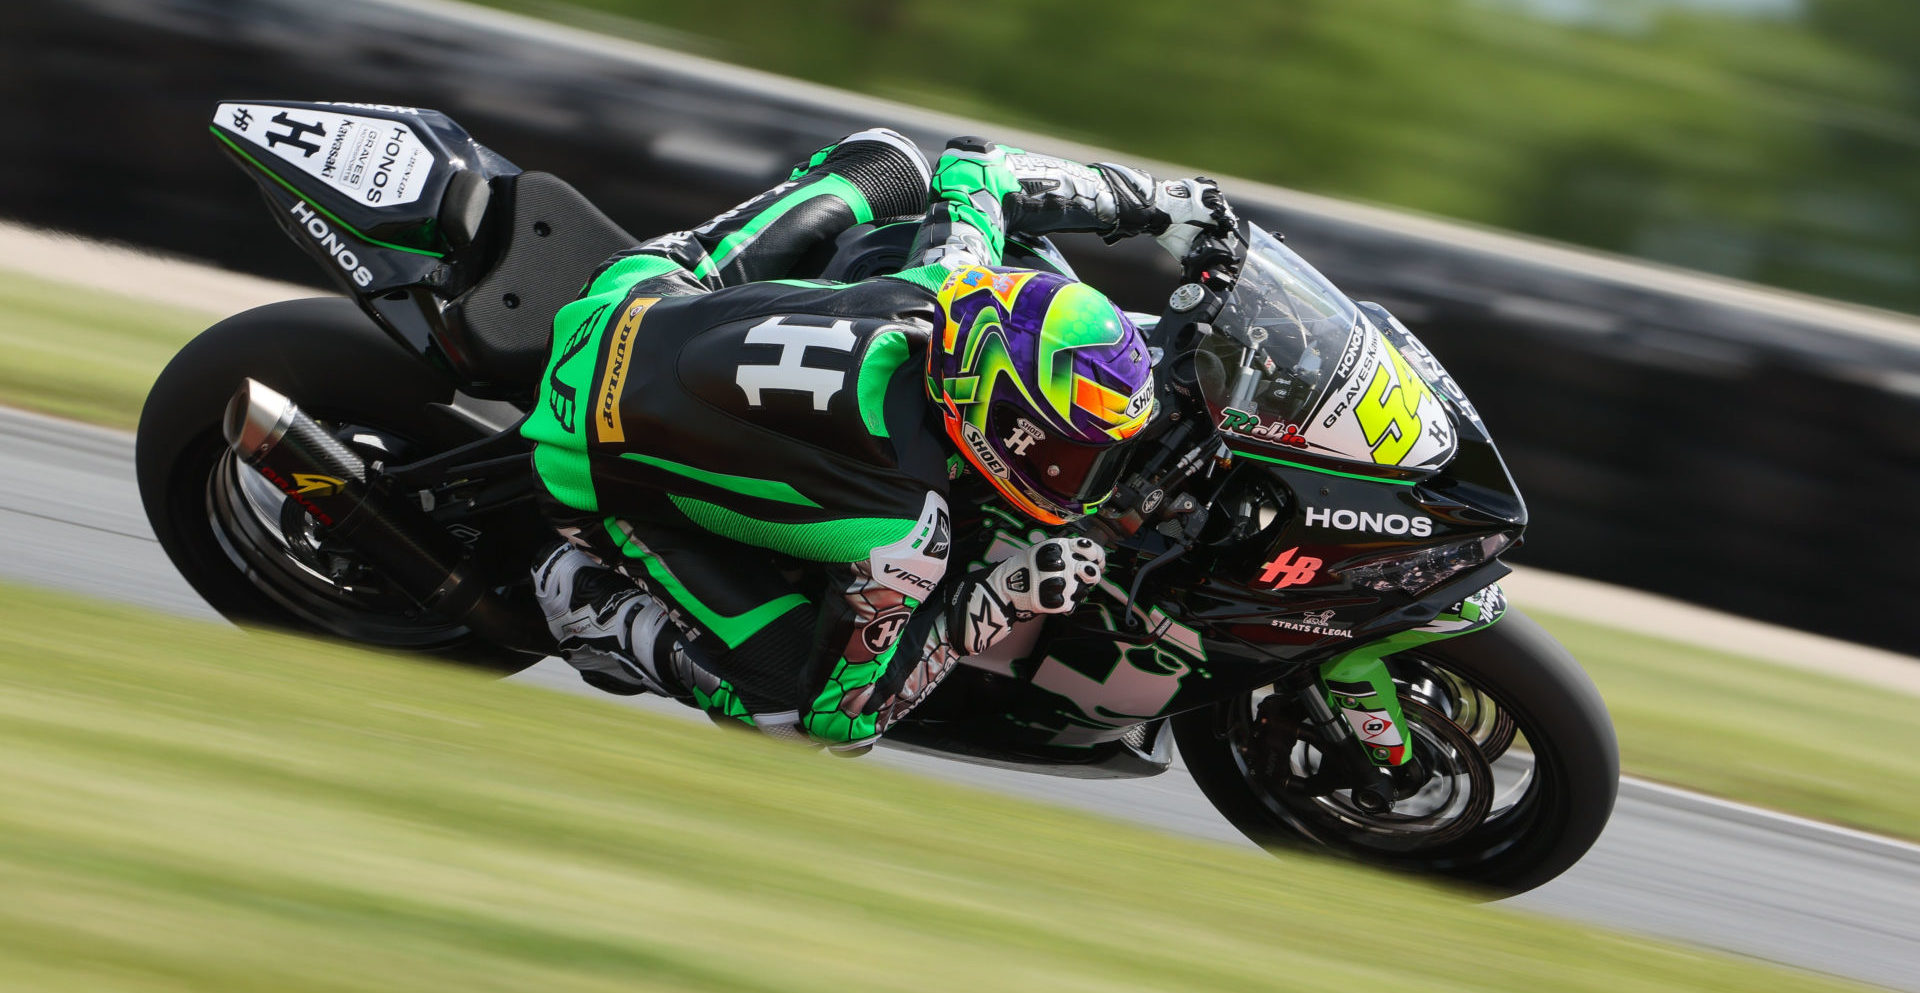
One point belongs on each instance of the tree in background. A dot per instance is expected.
(1772, 140)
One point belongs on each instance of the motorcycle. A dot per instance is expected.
(1304, 548)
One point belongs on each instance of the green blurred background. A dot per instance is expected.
(1767, 140)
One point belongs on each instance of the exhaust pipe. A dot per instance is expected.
(335, 485)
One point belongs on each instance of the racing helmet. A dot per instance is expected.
(1039, 378)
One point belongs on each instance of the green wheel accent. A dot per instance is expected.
(344, 226)
(850, 540)
(765, 489)
(1328, 472)
(1366, 664)
(884, 357)
(734, 630)
(737, 242)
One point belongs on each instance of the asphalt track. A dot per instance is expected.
(1672, 864)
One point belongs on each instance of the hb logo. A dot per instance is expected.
(1285, 570)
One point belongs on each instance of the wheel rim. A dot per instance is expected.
(278, 548)
(1485, 792)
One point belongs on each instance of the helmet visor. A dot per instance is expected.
(1071, 473)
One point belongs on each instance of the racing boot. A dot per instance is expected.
(617, 636)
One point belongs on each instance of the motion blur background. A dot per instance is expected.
(1754, 452)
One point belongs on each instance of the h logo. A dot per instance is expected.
(791, 372)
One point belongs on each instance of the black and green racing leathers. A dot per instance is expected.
(758, 453)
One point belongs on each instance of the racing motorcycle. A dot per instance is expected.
(1305, 544)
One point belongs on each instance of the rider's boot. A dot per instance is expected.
(614, 634)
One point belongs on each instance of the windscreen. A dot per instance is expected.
(1292, 363)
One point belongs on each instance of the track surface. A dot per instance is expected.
(1671, 864)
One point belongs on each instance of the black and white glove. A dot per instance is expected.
(1174, 212)
(1052, 577)
(1193, 206)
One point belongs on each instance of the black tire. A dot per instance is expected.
(333, 361)
(1576, 762)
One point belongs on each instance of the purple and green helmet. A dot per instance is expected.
(1039, 379)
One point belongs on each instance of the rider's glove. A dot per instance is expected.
(1174, 212)
(1193, 206)
(1051, 577)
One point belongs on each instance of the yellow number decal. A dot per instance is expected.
(1389, 413)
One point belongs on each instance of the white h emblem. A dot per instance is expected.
(789, 373)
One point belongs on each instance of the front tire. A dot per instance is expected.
(342, 369)
(1556, 731)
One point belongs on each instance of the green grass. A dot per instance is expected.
(82, 353)
(183, 806)
(1709, 721)
(1822, 747)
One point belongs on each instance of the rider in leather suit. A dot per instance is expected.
(751, 471)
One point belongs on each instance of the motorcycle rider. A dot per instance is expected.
(751, 471)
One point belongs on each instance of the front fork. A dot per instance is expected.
(1372, 738)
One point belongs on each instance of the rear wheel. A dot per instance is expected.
(1517, 764)
(252, 554)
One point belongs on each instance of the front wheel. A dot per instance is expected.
(1516, 753)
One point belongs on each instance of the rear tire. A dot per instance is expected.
(1559, 714)
(333, 361)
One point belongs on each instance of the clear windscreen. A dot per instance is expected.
(1292, 363)
(1277, 340)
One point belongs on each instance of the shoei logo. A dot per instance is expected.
(983, 453)
(1352, 520)
(1285, 570)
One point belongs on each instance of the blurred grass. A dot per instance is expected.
(81, 353)
(183, 806)
(1715, 722)
(1823, 747)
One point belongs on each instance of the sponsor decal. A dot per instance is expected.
(294, 493)
(1278, 432)
(370, 159)
(1023, 436)
(982, 451)
(1142, 398)
(881, 632)
(791, 373)
(942, 536)
(894, 571)
(1318, 622)
(323, 234)
(1340, 519)
(313, 482)
(385, 108)
(1286, 570)
(561, 397)
(295, 128)
(607, 427)
(1375, 727)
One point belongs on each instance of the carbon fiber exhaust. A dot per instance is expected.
(347, 498)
